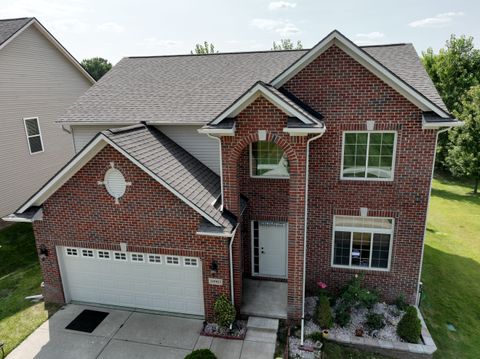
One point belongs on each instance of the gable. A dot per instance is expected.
(362, 57)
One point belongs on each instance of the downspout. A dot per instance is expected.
(302, 335)
(230, 255)
(426, 217)
(221, 166)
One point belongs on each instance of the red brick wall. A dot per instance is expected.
(348, 95)
(148, 218)
(264, 193)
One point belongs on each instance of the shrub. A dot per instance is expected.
(354, 294)
(409, 328)
(225, 312)
(375, 321)
(342, 315)
(323, 315)
(316, 336)
(201, 354)
(400, 302)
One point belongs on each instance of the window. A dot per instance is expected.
(115, 183)
(368, 155)
(173, 260)
(362, 242)
(120, 256)
(137, 257)
(255, 245)
(103, 254)
(155, 258)
(190, 262)
(34, 136)
(268, 160)
(87, 253)
(73, 252)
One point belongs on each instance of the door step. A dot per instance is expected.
(262, 329)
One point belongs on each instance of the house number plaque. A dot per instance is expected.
(215, 281)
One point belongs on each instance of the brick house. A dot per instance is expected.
(202, 175)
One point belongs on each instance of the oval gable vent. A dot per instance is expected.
(115, 183)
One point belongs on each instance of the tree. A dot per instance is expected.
(464, 154)
(96, 67)
(204, 49)
(454, 70)
(287, 44)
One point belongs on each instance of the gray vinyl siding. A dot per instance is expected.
(36, 80)
(199, 145)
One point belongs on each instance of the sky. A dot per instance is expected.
(116, 28)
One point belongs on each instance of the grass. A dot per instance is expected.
(19, 277)
(451, 269)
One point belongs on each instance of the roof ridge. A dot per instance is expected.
(123, 129)
(19, 18)
(216, 54)
(387, 45)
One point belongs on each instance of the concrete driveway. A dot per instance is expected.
(129, 334)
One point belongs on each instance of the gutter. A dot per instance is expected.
(302, 335)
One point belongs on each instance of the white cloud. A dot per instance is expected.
(281, 27)
(276, 5)
(439, 20)
(155, 43)
(371, 35)
(43, 9)
(75, 26)
(111, 27)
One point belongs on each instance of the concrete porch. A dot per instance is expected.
(264, 298)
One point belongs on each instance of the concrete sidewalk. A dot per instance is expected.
(130, 334)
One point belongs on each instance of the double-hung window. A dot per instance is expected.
(268, 160)
(362, 242)
(368, 155)
(34, 136)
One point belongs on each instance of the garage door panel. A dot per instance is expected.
(163, 287)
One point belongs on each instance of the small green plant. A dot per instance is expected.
(353, 294)
(323, 314)
(225, 312)
(201, 354)
(342, 315)
(375, 321)
(400, 302)
(409, 328)
(316, 336)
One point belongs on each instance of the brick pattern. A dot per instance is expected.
(82, 214)
(348, 95)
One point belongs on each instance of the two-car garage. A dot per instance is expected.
(166, 283)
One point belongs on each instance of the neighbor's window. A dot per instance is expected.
(368, 155)
(34, 136)
(268, 160)
(362, 242)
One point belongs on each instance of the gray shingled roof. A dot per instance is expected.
(197, 88)
(9, 27)
(175, 166)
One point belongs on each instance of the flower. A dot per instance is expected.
(321, 285)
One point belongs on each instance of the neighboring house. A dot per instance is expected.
(295, 166)
(39, 79)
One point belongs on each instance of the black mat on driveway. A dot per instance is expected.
(87, 321)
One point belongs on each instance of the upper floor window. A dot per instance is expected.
(368, 155)
(362, 242)
(34, 136)
(268, 160)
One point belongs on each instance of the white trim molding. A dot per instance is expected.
(339, 40)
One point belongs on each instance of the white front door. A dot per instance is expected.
(271, 243)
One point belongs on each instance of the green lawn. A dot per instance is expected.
(451, 270)
(19, 277)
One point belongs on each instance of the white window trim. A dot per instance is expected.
(72, 255)
(28, 137)
(250, 155)
(173, 264)
(103, 258)
(372, 231)
(87, 249)
(190, 265)
(120, 260)
(137, 254)
(375, 179)
(156, 255)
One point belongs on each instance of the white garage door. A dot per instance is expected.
(139, 280)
